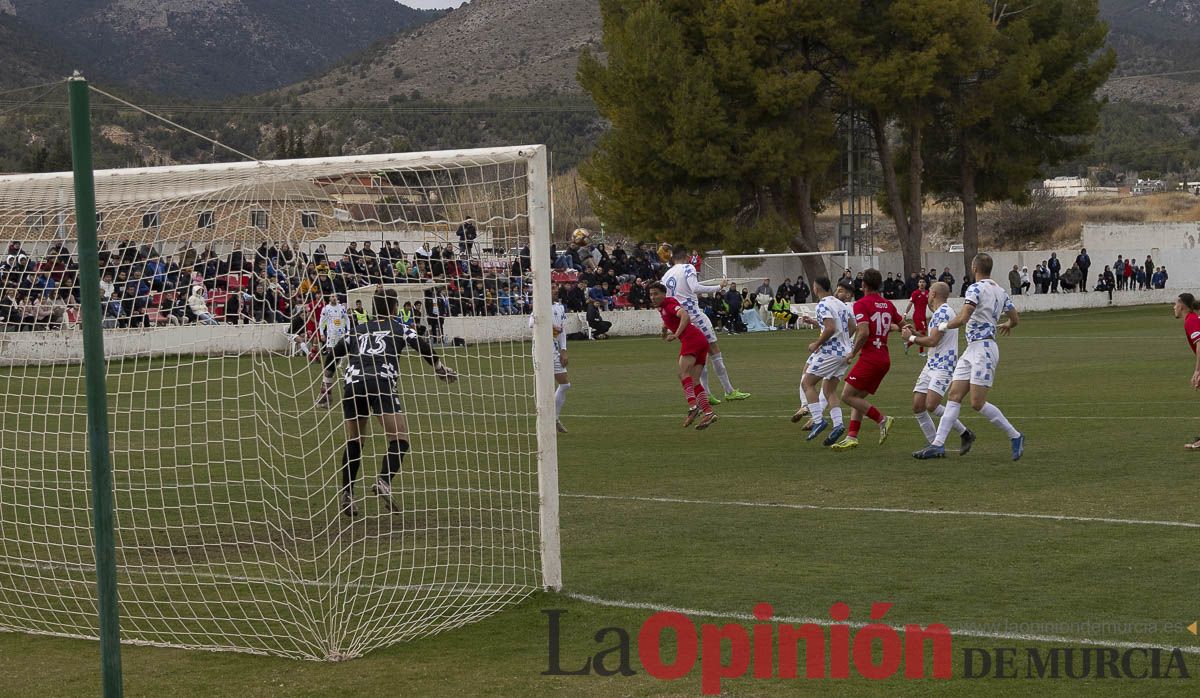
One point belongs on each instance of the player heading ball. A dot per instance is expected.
(693, 354)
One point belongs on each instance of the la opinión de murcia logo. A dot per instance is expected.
(836, 650)
(774, 651)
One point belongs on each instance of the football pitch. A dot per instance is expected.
(1093, 538)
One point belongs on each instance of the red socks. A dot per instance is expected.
(855, 424)
(696, 396)
(689, 391)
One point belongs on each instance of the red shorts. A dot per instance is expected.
(690, 346)
(868, 373)
(921, 324)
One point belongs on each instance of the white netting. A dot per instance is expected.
(228, 530)
(751, 271)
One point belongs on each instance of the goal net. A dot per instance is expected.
(229, 533)
(751, 270)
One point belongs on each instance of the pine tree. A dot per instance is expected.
(721, 125)
(59, 157)
(1026, 110)
(318, 148)
(282, 143)
(900, 59)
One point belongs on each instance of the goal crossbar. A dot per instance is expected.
(774, 255)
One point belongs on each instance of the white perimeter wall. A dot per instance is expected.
(1173, 245)
(67, 345)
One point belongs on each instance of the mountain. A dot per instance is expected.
(26, 59)
(488, 48)
(210, 48)
(489, 72)
(1153, 36)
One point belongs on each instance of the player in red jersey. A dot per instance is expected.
(1186, 306)
(693, 354)
(875, 319)
(918, 305)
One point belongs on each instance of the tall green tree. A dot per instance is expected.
(298, 150)
(319, 148)
(282, 143)
(900, 59)
(722, 130)
(1029, 108)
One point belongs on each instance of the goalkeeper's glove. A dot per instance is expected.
(445, 373)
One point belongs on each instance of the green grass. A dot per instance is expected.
(1101, 395)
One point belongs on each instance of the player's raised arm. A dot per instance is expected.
(930, 339)
(960, 319)
(692, 279)
(425, 349)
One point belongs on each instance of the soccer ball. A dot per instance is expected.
(664, 252)
(580, 236)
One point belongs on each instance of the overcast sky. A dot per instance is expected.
(432, 4)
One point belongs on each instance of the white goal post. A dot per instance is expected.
(227, 471)
(725, 259)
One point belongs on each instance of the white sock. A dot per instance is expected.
(835, 413)
(704, 379)
(803, 396)
(819, 413)
(949, 417)
(958, 425)
(927, 426)
(560, 398)
(995, 416)
(718, 363)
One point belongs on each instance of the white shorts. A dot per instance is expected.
(826, 366)
(933, 380)
(558, 367)
(702, 323)
(978, 363)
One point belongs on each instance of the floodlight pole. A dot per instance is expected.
(97, 398)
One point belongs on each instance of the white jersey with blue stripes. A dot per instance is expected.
(683, 284)
(991, 302)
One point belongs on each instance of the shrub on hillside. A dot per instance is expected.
(1014, 225)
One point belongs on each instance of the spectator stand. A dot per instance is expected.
(409, 292)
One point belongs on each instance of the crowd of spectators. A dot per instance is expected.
(141, 287)
(1122, 275)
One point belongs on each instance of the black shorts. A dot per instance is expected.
(366, 397)
(328, 361)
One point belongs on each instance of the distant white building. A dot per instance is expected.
(1073, 187)
(1065, 187)
(1148, 186)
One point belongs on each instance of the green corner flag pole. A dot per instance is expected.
(97, 398)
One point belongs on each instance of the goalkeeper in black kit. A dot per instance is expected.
(374, 349)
